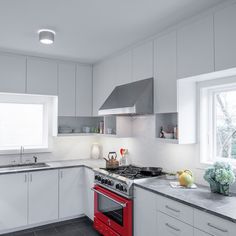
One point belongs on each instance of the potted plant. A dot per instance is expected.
(220, 176)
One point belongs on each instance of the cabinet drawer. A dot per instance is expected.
(168, 226)
(200, 233)
(213, 225)
(175, 209)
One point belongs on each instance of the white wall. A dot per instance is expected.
(63, 148)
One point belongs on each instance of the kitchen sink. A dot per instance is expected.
(24, 166)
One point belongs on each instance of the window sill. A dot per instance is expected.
(26, 151)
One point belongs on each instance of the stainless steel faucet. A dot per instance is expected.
(21, 154)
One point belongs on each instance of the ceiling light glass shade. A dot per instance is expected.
(46, 36)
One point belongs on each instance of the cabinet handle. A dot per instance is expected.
(172, 209)
(61, 174)
(25, 178)
(31, 178)
(172, 227)
(215, 227)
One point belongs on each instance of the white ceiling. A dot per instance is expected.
(88, 30)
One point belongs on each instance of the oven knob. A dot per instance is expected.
(117, 186)
(125, 189)
(96, 177)
(105, 181)
(99, 178)
(121, 188)
(109, 182)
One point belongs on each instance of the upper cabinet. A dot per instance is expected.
(195, 48)
(66, 89)
(225, 38)
(84, 90)
(143, 61)
(41, 76)
(165, 89)
(12, 73)
(108, 74)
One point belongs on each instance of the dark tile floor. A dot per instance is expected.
(76, 227)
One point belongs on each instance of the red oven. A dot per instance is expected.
(112, 213)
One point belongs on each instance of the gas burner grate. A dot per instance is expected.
(130, 172)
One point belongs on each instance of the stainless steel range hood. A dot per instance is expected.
(130, 99)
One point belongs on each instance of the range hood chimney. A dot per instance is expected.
(130, 99)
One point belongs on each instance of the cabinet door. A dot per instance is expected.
(144, 213)
(12, 73)
(107, 75)
(43, 196)
(165, 79)
(13, 201)
(66, 89)
(200, 233)
(143, 61)
(225, 38)
(195, 48)
(89, 194)
(41, 76)
(169, 226)
(84, 90)
(71, 202)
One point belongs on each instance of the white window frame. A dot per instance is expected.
(206, 91)
(50, 107)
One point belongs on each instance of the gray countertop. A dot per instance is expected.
(57, 165)
(200, 198)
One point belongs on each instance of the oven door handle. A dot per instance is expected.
(119, 203)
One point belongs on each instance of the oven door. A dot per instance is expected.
(113, 210)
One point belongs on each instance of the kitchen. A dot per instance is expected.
(141, 84)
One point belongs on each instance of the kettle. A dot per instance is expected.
(185, 178)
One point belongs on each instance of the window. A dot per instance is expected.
(25, 120)
(217, 122)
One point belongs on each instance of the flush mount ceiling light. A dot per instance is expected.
(46, 36)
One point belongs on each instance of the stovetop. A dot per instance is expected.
(119, 180)
(130, 172)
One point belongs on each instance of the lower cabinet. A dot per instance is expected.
(43, 196)
(169, 226)
(13, 201)
(71, 201)
(88, 193)
(144, 213)
(200, 233)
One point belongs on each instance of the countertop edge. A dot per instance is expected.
(45, 169)
(186, 203)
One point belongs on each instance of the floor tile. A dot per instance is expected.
(46, 232)
(75, 227)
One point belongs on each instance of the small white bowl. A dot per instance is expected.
(168, 135)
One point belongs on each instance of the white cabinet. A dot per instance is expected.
(41, 76)
(213, 225)
(88, 193)
(13, 201)
(84, 90)
(107, 75)
(168, 226)
(66, 89)
(225, 38)
(143, 61)
(165, 90)
(12, 73)
(195, 48)
(175, 209)
(43, 196)
(200, 233)
(71, 201)
(145, 213)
